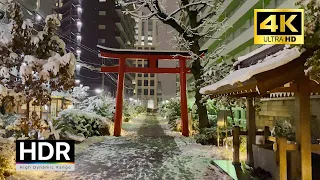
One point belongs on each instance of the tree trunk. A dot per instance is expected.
(196, 70)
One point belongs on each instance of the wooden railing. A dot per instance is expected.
(280, 146)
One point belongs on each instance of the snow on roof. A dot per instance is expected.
(257, 51)
(271, 62)
(139, 50)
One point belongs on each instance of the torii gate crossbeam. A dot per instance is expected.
(152, 56)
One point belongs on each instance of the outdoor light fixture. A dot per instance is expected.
(98, 91)
(79, 23)
(79, 37)
(38, 17)
(79, 9)
(77, 81)
(78, 51)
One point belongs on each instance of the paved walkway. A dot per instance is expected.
(147, 151)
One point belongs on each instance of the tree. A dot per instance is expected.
(32, 64)
(312, 36)
(192, 23)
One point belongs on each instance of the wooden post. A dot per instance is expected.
(119, 99)
(266, 134)
(303, 129)
(183, 96)
(251, 129)
(236, 144)
(282, 154)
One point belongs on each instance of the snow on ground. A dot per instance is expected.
(147, 150)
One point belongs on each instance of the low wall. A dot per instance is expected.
(266, 159)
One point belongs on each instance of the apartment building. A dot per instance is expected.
(238, 38)
(146, 85)
(87, 23)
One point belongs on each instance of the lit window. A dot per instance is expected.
(101, 41)
(102, 26)
(102, 13)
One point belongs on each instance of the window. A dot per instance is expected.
(145, 91)
(102, 13)
(146, 75)
(151, 82)
(139, 91)
(139, 65)
(139, 83)
(151, 75)
(153, 48)
(146, 83)
(151, 91)
(139, 75)
(101, 41)
(102, 27)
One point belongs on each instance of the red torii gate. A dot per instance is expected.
(152, 57)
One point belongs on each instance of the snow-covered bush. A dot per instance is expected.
(129, 110)
(140, 109)
(284, 128)
(171, 110)
(102, 105)
(85, 123)
(7, 157)
(207, 136)
(32, 63)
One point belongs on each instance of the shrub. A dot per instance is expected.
(102, 105)
(7, 157)
(207, 136)
(87, 124)
(284, 128)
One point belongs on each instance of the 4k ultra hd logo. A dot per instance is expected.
(278, 26)
(46, 155)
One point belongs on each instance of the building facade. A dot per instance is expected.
(238, 37)
(86, 24)
(146, 85)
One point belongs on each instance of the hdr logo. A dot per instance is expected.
(278, 26)
(46, 155)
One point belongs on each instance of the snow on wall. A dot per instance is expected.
(271, 62)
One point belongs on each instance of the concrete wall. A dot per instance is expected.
(278, 108)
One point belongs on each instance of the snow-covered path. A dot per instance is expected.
(148, 150)
(149, 154)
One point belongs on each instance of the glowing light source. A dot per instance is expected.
(79, 23)
(98, 91)
(78, 66)
(78, 51)
(79, 9)
(77, 81)
(130, 99)
(38, 17)
(79, 37)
